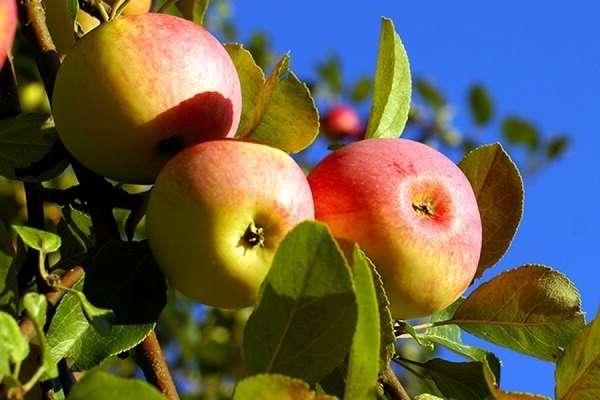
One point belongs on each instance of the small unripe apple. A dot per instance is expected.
(137, 89)
(8, 26)
(412, 211)
(217, 214)
(341, 122)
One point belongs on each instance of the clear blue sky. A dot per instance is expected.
(539, 59)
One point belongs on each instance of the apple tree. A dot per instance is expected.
(85, 306)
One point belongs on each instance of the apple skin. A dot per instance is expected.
(202, 210)
(341, 122)
(61, 29)
(8, 27)
(137, 89)
(412, 211)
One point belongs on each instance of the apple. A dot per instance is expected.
(8, 27)
(341, 122)
(411, 210)
(217, 213)
(137, 89)
(62, 30)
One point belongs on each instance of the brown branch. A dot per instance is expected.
(392, 386)
(152, 361)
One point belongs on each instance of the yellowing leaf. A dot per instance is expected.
(578, 369)
(275, 387)
(532, 309)
(498, 187)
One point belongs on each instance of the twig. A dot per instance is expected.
(150, 358)
(392, 386)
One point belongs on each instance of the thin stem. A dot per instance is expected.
(392, 386)
(152, 361)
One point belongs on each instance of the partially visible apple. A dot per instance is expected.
(341, 122)
(217, 214)
(139, 88)
(413, 212)
(8, 26)
(62, 30)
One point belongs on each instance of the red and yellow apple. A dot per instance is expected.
(8, 26)
(412, 211)
(341, 122)
(139, 88)
(62, 30)
(217, 214)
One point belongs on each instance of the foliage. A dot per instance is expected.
(320, 328)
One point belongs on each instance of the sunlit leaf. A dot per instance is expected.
(24, 141)
(100, 385)
(363, 362)
(480, 104)
(531, 309)
(13, 346)
(392, 86)
(8, 274)
(304, 321)
(275, 387)
(578, 369)
(36, 306)
(37, 239)
(101, 319)
(498, 187)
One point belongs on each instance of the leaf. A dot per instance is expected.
(392, 86)
(36, 306)
(519, 131)
(275, 387)
(531, 309)
(199, 11)
(330, 72)
(285, 115)
(77, 237)
(37, 239)
(498, 394)
(557, 146)
(578, 368)
(123, 278)
(498, 188)
(430, 93)
(13, 346)
(304, 321)
(363, 362)
(362, 89)
(481, 105)
(100, 318)
(458, 380)
(8, 274)
(25, 140)
(100, 385)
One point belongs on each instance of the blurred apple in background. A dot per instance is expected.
(217, 214)
(413, 212)
(8, 26)
(139, 88)
(341, 122)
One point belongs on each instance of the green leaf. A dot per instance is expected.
(77, 237)
(362, 89)
(199, 11)
(531, 309)
(330, 72)
(430, 93)
(284, 115)
(498, 187)
(498, 394)
(13, 346)
(480, 103)
(101, 319)
(37, 239)
(8, 274)
(519, 131)
(124, 278)
(36, 306)
(578, 368)
(304, 321)
(459, 380)
(392, 86)
(363, 362)
(557, 146)
(275, 387)
(24, 141)
(100, 385)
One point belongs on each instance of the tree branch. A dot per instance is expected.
(392, 386)
(150, 358)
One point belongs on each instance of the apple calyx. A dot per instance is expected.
(254, 236)
(423, 210)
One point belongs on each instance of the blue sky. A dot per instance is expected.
(540, 60)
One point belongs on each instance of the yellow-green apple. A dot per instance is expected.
(340, 122)
(8, 26)
(413, 212)
(139, 88)
(217, 213)
(62, 29)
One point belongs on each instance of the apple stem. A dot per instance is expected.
(254, 236)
